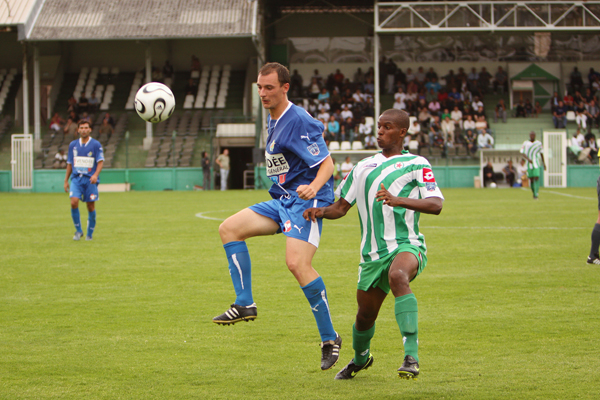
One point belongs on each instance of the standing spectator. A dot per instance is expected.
(296, 84)
(223, 163)
(399, 104)
(191, 87)
(537, 109)
(314, 88)
(448, 130)
(593, 112)
(509, 173)
(576, 80)
(205, 170)
(501, 81)
(581, 116)
(195, 64)
(528, 108)
(391, 69)
(500, 111)
(370, 142)
(520, 109)
(484, 80)
(167, 71)
(559, 115)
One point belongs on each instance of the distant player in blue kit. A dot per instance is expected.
(299, 164)
(84, 163)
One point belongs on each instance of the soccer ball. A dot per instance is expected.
(154, 102)
(493, 185)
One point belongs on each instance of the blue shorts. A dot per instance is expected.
(288, 214)
(83, 189)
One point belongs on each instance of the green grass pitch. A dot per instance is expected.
(508, 307)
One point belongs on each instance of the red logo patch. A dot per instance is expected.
(282, 179)
(428, 175)
(287, 226)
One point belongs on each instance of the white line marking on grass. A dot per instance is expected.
(569, 195)
(201, 215)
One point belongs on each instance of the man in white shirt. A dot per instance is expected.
(456, 116)
(400, 94)
(448, 130)
(346, 167)
(346, 113)
(469, 123)
(485, 140)
(476, 103)
(399, 104)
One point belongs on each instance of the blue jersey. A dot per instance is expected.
(84, 158)
(295, 150)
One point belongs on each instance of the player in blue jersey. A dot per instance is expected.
(299, 164)
(84, 164)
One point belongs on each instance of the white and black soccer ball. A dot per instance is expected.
(493, 185)
(154, 102)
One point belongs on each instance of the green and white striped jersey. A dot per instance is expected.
(384, 228)
(532, 150)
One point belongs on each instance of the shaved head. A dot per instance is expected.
(401, 118)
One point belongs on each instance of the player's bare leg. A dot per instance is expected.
(594, 257)
(298, 257)
(403, 269)
(234, 231)
(369, 304)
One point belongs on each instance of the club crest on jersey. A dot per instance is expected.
(398, 165)
(428, 175)
(430, 186)
(90, 154)
(272, 146)
(287, 226)
(313, 149)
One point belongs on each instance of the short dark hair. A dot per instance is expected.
(84, 121)
(283, 74)
(401, 117)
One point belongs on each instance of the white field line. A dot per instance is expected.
(562, 194)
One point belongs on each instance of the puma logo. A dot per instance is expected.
(299, 229)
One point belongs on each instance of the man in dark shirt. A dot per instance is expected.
(559, 115)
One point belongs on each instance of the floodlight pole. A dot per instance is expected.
(25, 91)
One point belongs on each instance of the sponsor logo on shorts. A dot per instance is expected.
(93, 196)
(287, 226)
(313, 149)
(299, 228)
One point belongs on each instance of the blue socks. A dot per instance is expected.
(76, 219)
(317, 297)
(240, 270)
(91, 223)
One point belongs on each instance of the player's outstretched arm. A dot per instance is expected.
(430, 205)
(307, 192)
(334, 211)
(67, 175)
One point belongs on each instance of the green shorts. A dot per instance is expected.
(375, 273)
(533, 172)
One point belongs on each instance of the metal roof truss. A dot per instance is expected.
(487, 16)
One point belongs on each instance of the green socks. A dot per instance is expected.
(407, 319)
(361, 343)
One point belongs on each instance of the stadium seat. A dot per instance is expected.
(114, 71)
(570, 115)
(195, 74)
(345, 146)
(104, 71)
(333, 146)
(357, 145)
(226, 67)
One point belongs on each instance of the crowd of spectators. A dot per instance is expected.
(448, 110)
(581, 101)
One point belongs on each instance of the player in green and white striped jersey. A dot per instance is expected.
(533, 153)
(391, 189)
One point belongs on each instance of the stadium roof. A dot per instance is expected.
(14, 12)
(143, 19)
